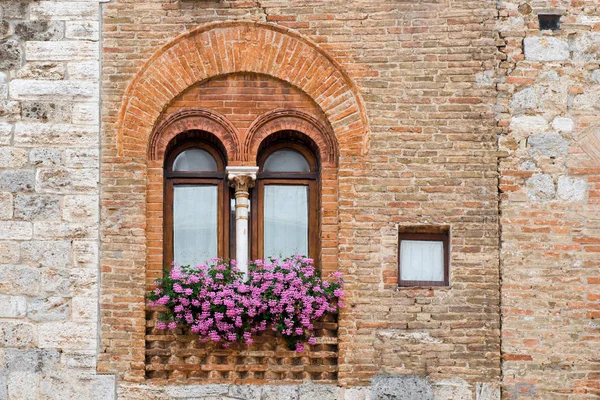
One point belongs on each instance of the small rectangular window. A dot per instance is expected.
(423, 259)
(549, 22)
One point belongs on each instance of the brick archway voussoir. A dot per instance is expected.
(231, 47)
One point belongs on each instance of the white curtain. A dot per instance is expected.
(286, 220)
(194, 223)
(421, 260)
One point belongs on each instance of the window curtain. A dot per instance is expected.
(286, 220)
(421, 260)
(194, 223)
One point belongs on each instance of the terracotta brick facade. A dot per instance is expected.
(414, 145)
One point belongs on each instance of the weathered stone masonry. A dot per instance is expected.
(453, 113)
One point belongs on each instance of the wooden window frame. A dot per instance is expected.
(310, 179)
(432, 237)
(216, 178)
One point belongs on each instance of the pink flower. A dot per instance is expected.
(312, 340)
(161, 325)
(299, 347)
(172, 325)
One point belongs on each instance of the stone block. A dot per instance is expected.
(3, 86)
(540, 187)
(81, 208)
(54, 254)
(5, 133)
(82, 158)
(586, 47)
(17, 181)
(9, 252)
(14, 9)
(79, 359)
(84, 308)
(56, 282)
(526, 99)
(39, 30)
(563, 124)
(310, 391)
(47, 230)
(37, 207)
(84, 282)
(87, 30)
(61, 51)
(84, 70)
(85, 254)
(31, 360)
(23, 385)
(70, 386)
(197, 391)
(67, 335)
(45, 157)
(10, 54)
(15, 230)
(12, 306)
(287, 392)
(28, 89)
(408, 387)
(19, 280)
(45, 70)
(571, 189)
(48, 309)
(64, 135)
(64, 10)
(14, 158)
(6, 205)
(11, 112)
(548, 144)
(5, 29)
(595, 76)
(528, 125)
(45, 111)
(86, 113)
(487, 391)
(17, 334)
(245, 392)
(455, 389)
(66, 180)
(357, 393)
(545, 48)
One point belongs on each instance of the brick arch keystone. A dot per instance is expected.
(281, 120)
(230, 47)
(194, 119)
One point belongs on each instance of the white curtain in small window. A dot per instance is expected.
(421, 260)
(194, 223)
(286, 220)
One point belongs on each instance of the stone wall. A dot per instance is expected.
(49, 136)
(548, 109)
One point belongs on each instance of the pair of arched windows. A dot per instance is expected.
(199, 204)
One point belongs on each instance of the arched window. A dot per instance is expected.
(287, 198)
(196, 199)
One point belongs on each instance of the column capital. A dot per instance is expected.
(242, 178)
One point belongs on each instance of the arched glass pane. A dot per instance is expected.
(286, 220)
(195, 223)
(286, 160)
(194, 160)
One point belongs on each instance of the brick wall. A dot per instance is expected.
(549, 85)
(420, 70)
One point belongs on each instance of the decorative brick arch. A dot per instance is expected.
(230, 47)
(194, 119)
(281, 120)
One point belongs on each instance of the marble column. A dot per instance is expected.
(242, 178)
